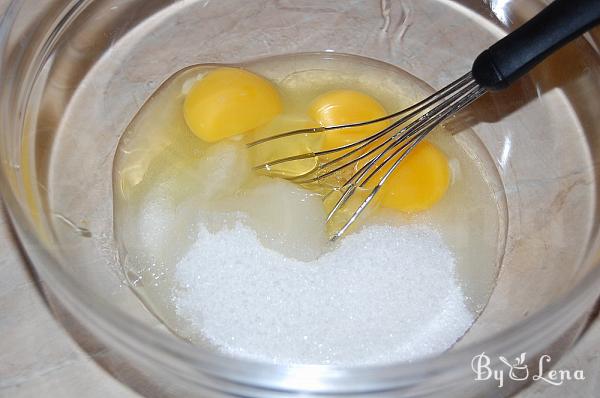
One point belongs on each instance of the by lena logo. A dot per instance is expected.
(518, 370)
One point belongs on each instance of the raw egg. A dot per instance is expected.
(230, 101)
(419, 181)
(339, 107)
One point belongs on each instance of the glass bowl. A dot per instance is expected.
(74, 73)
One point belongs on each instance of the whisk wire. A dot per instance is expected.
(382, 151)
(414, 110)
(316, 130)
(429, 118)
(471, 96)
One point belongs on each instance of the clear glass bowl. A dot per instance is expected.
(74, 73)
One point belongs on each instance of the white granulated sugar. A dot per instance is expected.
(384, 294)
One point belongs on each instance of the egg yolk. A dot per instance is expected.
(420, 180)
(230, 101)
(339, 107)
(285, 147)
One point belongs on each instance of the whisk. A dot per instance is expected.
(375, 157)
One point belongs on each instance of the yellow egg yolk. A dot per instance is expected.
(419, 181)
(230, 101)
(339, 107)
(285, 147)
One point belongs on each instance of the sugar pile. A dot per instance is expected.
(386, 293)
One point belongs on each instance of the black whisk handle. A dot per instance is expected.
(514, 55)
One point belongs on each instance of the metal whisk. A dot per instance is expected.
(378, 155)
